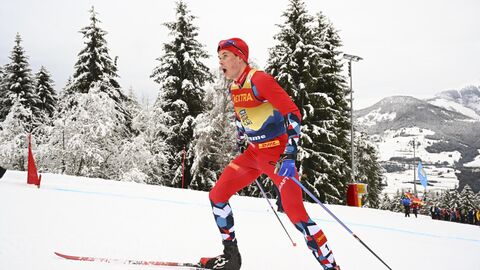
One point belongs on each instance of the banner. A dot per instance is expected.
(422, 175)
(32, 175)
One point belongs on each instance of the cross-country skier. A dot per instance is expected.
(270, 120)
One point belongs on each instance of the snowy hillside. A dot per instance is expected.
(93, 217)
(445, 130)
(398, 145)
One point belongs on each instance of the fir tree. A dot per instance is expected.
(3, 95)
(18, 84)
(132, 104)
(94, 65)
(450, 199)
(13, 137)
(46, 93)
(305, 62)
(369, 170)
(468, 199)
(136, 155)
(290, 63)
(86, 138)
(327, 122)
(289, 59)
(153, 134)
(182, 77)
(93, 124)
(94, 62)
(385, 203)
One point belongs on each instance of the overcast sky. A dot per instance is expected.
(410, 47)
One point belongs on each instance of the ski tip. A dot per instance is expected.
(65, 256)
(60, 254)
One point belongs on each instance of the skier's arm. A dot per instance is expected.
(270, 90)
(293, 131)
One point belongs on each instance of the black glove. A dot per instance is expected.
(241, 145)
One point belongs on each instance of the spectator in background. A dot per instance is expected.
(457, 215)
(415, 208)
(471, 216)
(453, 215)
(406, 202)
(463, 215)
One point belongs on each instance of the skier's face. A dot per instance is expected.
(230, 64)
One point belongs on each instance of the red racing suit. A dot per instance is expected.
(261, 107)
(271, 121)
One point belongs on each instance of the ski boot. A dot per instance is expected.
(229, 260)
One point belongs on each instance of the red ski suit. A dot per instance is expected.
(261, 105)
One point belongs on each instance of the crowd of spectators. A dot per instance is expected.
(458, 214)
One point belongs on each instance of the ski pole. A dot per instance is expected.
(335, 217)
(275, 212)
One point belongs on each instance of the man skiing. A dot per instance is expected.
(268, 118)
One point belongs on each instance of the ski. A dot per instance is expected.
(184, 266)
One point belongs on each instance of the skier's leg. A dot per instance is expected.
(234, 177)
(292, 202)
(238, 174)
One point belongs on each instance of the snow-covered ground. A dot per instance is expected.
(93, 217)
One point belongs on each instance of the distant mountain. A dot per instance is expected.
(449, 123)
(465, 101)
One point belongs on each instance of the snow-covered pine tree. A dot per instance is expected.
(327, 122)
(450, 199)
(136, 155)
(46, 93)
(290, 62)
(289, 59)
(153, 131)
(305, 62)
(13, 138)
(385, 203)
(87, 138)
(132, 104)
(93, 125)
(468, 199)
(94, 62)
(396, 205)
(215, 133)
(94, 65)
(369, 170)
(18, 85)
(182, 78)
(3, 95)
